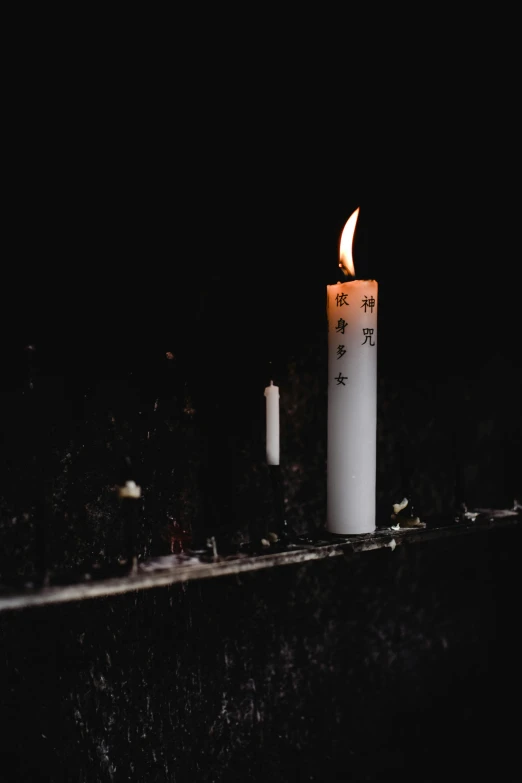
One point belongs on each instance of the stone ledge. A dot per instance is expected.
(173, 569)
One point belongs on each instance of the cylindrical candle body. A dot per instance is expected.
(352, 406)
(272, 424)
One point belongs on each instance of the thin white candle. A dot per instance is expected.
(352, 399)
(272, 424)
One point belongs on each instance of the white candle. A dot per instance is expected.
(352, 399)
(272, 424)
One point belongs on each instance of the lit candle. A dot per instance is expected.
(272, 424)
(352, 397)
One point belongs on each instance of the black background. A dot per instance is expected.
(218, 250)
(135, 228)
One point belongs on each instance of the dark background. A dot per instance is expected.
(221, 255)
(214, 239)
(400, 666)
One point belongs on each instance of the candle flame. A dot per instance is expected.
(346, 248)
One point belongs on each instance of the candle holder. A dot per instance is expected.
(283, 530)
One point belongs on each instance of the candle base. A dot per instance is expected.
(353, 532)
(355, 520)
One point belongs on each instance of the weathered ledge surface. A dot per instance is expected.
(172, 569)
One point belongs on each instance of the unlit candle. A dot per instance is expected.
(272, 424)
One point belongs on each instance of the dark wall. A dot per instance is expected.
(121, 250)
(396, 665)
(232, 289)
